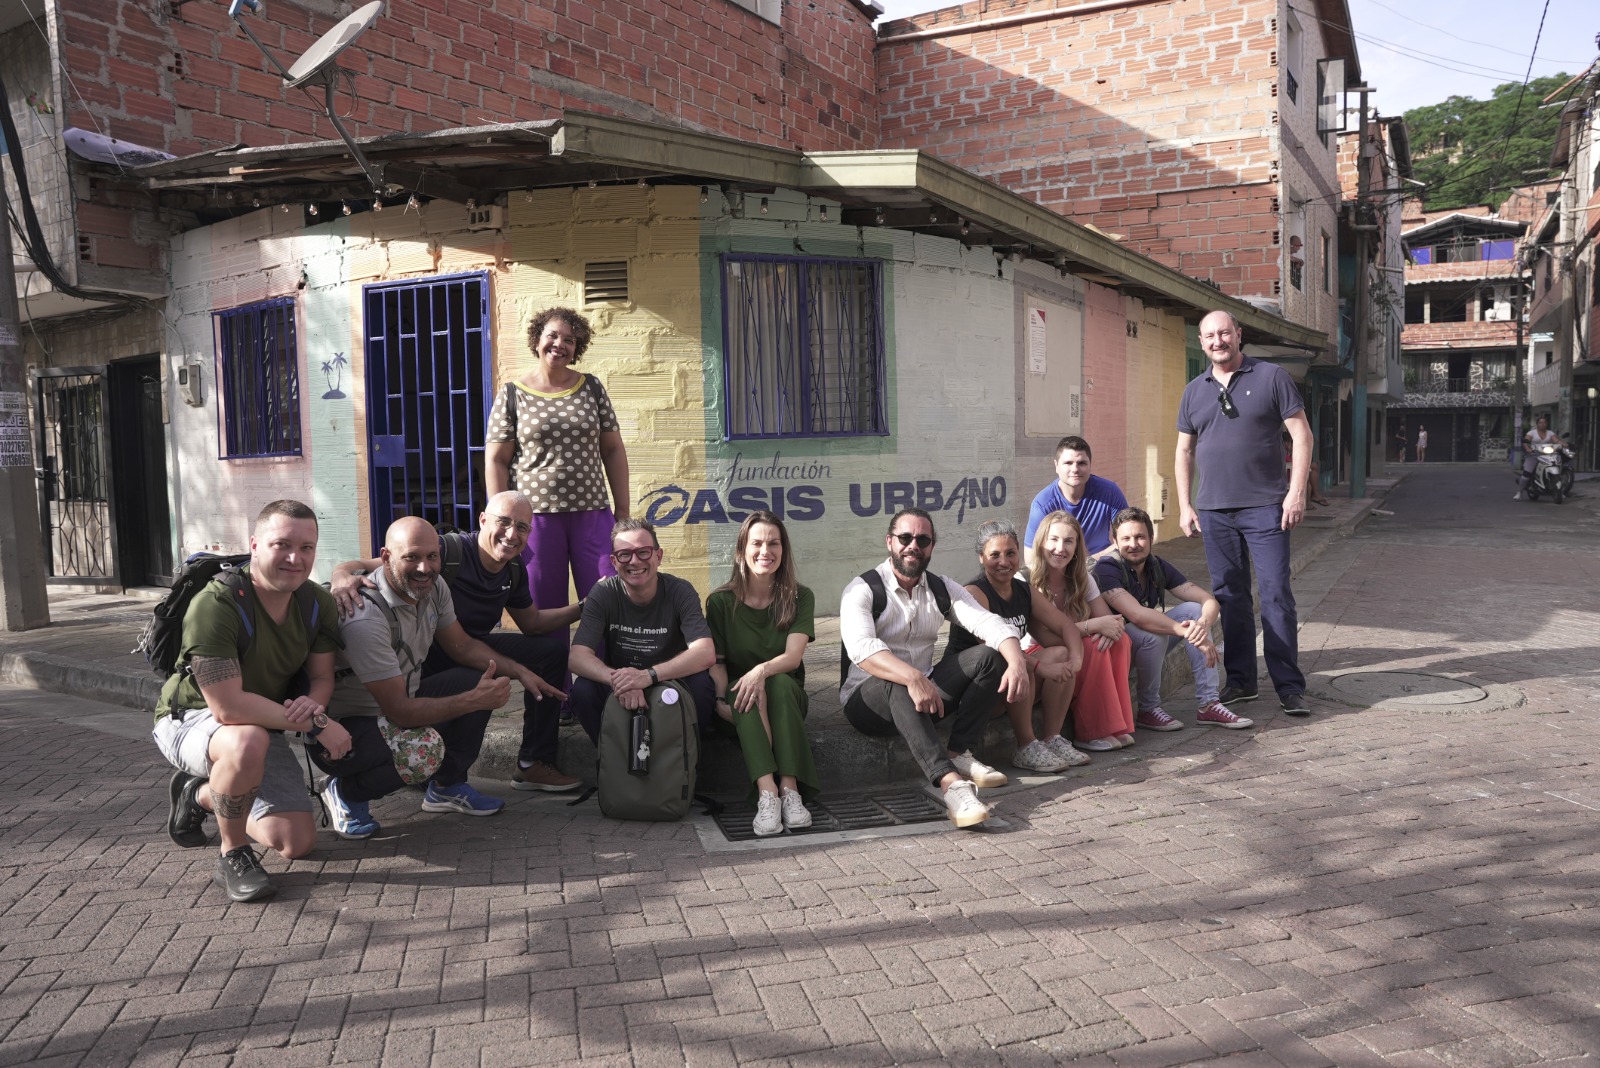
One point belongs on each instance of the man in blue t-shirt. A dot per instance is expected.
(489, 582)
(1230, 425)
(1090, 499)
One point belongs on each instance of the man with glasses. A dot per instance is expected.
(640, 628)
(380, 673)
(889, 620)
(1245, 504)
(486, 582)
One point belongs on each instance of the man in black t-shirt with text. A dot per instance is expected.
(639, 629)
(489, 582)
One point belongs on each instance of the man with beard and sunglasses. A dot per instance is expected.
(1245, 504)
(892, 685)
(640, 628)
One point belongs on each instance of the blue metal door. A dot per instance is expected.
(427, 346)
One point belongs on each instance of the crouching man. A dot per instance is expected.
(387, 640)
(222, 716)
(889, 620)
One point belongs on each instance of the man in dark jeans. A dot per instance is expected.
(487, 583)
(893, 686)
(380, 673)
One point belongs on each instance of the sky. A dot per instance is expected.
(1418, 52)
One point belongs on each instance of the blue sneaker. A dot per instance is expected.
(462, 798)
(351, 819)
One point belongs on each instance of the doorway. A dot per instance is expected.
(139, 471)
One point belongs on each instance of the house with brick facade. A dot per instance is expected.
(933, 331)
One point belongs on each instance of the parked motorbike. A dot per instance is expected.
(1552, 472)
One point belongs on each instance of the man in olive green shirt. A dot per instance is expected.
(221, 716)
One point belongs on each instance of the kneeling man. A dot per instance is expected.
(222, 715)
(892, 684)
(1135, 582)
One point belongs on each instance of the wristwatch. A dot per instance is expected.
(319, 720)
(655, 680)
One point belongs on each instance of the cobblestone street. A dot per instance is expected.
(1412, 884)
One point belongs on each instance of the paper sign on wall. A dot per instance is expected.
(1036, 341)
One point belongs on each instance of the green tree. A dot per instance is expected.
(1477, 151)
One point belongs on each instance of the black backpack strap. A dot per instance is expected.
(880, 601)
(451, 547)
(941, 593)
(237, 583)
(402, 653)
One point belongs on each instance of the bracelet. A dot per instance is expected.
(655, 680)
(722, 699)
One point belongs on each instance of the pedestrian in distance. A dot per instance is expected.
(1135, 583)
(1052, 670)
(1422, 445)
(1102, 707)
(889, 621)
(222, 715)
(1229, 422)
(761, 621)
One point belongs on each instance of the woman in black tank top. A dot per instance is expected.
(1052, 670)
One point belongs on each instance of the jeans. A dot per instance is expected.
(970, 681)
(1150, 654)
(367, 772)
(1236, 538)
(543, 654)
(588, 700)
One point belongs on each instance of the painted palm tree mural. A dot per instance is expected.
(333, 374)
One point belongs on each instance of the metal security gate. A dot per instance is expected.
(427, 346)
(75, 506)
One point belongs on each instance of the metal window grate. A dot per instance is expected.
(259, 380)
(803, 350)
(605, 283)
(427, 399)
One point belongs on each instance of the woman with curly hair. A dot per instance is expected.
(761, 621)
(1103, 711)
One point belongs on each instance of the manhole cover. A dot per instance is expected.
(844, 813)
(1417, 691)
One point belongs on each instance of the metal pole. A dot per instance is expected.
(23, 604)
(1569, 299)
(1359, 435)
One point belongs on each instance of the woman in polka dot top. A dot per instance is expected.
(554, 436)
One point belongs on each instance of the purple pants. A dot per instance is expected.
(581, 540)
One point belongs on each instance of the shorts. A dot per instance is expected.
(185, 740)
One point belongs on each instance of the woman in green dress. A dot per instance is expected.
(761, 621)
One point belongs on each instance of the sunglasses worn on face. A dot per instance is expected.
(625, 556)
(1229, 409)
(922, 540)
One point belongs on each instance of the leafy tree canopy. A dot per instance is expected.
(1477, 151)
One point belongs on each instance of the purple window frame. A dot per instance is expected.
(258, 381)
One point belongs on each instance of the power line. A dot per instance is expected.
(1464, 40)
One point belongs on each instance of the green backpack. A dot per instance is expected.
(649, 759)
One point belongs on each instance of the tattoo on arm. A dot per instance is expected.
(234, 806)
(210, 670)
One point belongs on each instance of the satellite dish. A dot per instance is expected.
(322, 54)
(316, 67)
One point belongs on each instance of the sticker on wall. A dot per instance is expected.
(333, 374)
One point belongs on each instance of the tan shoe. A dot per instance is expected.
(545, 777)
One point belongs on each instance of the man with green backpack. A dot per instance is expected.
(247, 636)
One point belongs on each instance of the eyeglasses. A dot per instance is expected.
(1229, 409)
(625, 556)
(922, 540)
(503, 523)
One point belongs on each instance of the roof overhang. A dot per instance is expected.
(1446, 222)
(909, 189)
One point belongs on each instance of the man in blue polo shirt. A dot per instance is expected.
(1088, 498)
(1230, 423)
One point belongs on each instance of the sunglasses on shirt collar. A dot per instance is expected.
(1229, 409)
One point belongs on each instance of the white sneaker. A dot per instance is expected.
(1036, 756)
(1099, 745)
(795, 813)
(769, 817)
(961, 799)
(1064, 751)
(977, 771)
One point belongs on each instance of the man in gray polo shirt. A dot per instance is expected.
(1230, 423)
(380, 673)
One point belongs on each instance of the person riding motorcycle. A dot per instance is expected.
(1541, 434)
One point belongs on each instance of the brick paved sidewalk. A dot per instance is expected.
(1371, 886)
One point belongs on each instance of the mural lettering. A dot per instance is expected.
(667, 505)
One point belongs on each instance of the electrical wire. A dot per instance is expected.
(1463, 40)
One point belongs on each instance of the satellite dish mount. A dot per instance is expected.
(317, 67)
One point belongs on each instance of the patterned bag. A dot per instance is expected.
(418, 751)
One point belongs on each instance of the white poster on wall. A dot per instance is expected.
(1053, 388)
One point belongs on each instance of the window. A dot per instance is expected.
(1498, 250)
(803, 352)
(1327, 263)
(1292, 37)
(258, 411)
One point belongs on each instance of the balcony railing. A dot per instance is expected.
(1440, 384)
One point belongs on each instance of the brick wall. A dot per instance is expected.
(185, 79)
(1155, 121)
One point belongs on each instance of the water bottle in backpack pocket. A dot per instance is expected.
(649, 759)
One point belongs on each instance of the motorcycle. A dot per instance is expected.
(1552, 472)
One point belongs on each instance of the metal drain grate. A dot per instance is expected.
(857, 812)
